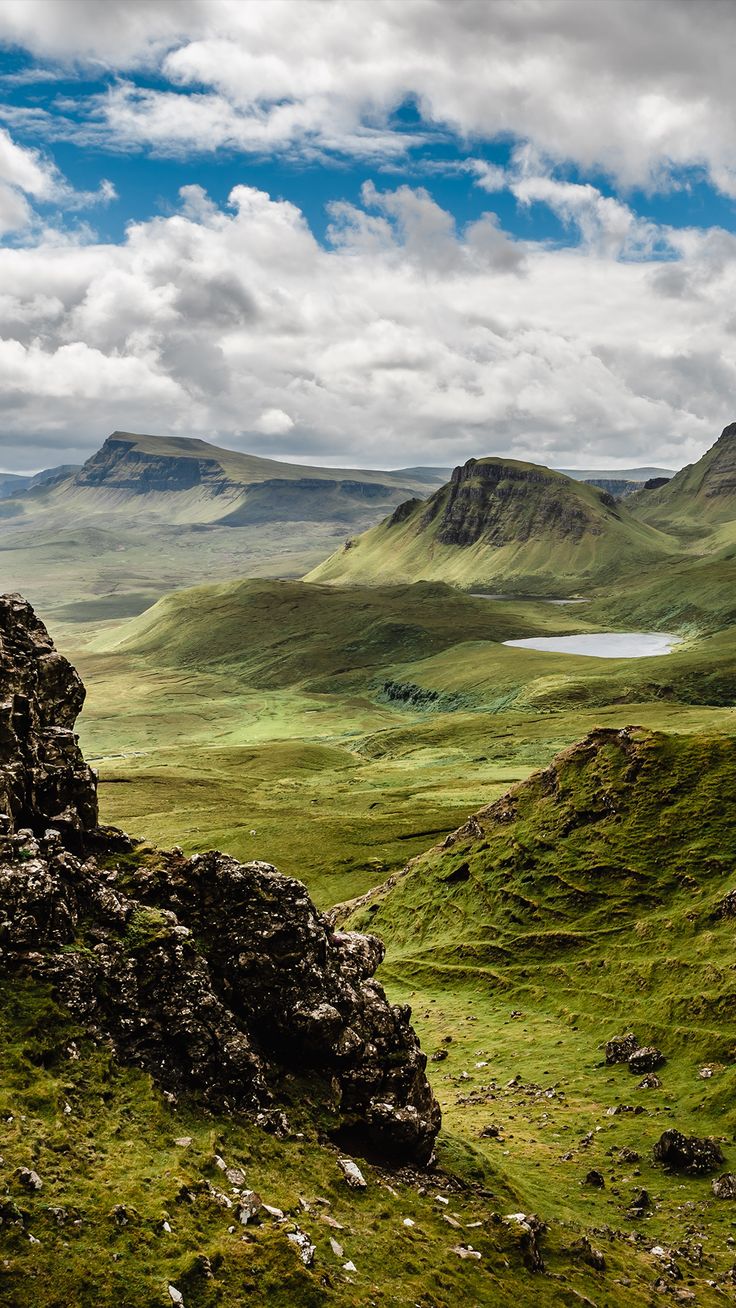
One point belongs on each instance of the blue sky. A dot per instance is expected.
(509, 228)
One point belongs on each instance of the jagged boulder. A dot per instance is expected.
(646, 1059)
(209, 972)
(620, 1048)
(681, 1153)
(44, 780)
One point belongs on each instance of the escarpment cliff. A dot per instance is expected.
(214, 975)
(503, 523)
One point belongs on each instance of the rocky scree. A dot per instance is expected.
(212, 974)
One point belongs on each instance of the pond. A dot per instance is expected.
(526, 599)
(604, 644)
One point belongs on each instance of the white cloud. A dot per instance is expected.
(273, 422)
(28, 179)
(636, 90)
(408, 341)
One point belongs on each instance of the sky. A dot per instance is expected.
(373, 233)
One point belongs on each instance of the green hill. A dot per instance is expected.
(699, 499)
(593, 899)
(497, 523)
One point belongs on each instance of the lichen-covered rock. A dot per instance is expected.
(620, 1048)
(206, 971)
(44, 780)
(683, 1153)
(647, 1059)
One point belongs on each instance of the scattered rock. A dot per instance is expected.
(627, 1155)
(352, 1174)
(724, 1187)
(249, 1205)
(491, 1132)
(620, 1048)
(30, 1179)
(183, 1141)
(176, 1296)
(646, 1059)
(303, 1245)
(466, 1251)
(640, 1204)
(649, 1082)
(439, 1055)
(330, 1221)
(727, 906)
(596, 1179)
(681, 1153)
(530, 1230)
(336, 1248)
(584, 1250)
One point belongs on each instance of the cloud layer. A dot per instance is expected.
(638, 90)
(405, 341)
(402, 338)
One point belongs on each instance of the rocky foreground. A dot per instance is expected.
(211, 974)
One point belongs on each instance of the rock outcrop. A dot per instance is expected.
(212, 974)
(44, 780)
(683, 1153)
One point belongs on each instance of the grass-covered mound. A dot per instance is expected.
(589, 901)
(502, 524)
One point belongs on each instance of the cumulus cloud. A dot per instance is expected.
(28, 178)
(273, 422)
(405, 340)
(639, 91)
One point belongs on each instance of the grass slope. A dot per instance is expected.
(501, 524)
(583, 904)
(700, 498)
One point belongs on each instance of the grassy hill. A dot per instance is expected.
(700, 499)
(502, 524)
(586, 902)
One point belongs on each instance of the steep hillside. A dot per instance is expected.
(699, 499)
(501, 524)
(595, 899)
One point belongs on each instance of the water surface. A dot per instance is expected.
(604, 644)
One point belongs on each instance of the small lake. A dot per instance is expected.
(604, 644)
(525, 599)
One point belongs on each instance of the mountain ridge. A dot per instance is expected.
(500, 522)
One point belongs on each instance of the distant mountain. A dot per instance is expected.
(699, 499)
(596, 475)
(147, 514)
(13, 483)
(503, 524)
(180, 480)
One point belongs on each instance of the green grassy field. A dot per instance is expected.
(341, 733)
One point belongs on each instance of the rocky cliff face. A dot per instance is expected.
(119, 466)
(501, 503)
(44, 780)
(212, 974)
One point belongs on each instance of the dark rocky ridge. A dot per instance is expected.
(118, 465)
(212, 974)
(503, 502)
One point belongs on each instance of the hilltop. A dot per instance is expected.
(499, 523)
(146, 514)
(700, 499)
(180, 479)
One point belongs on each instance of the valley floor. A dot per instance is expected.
(338, 780)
